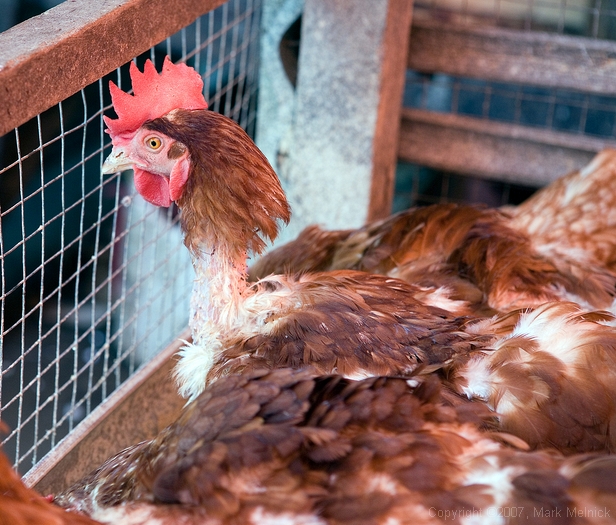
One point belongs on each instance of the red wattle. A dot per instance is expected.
(178, 177)
(153, 188)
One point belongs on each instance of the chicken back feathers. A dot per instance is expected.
(350, 323)
(557, 245)
(287, 447)
(551, 379)
(530, 367)
(575, 216)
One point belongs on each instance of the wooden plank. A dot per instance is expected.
(387, 128)
(521, 57)
(52, 56)
(493, 150)
(138, 410)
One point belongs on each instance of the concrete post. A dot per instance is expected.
(340, 151)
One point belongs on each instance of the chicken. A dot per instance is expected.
(231, 202)
(559, 244)
(344, 322)
(284, 446)
(574, 218)
(20, 505)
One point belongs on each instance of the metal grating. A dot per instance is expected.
(95, 281)
(577, 113)
(421, 186)
(554, 109)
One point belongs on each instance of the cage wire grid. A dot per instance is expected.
(94, 281)
(568, 111)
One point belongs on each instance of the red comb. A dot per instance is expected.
(155, 95)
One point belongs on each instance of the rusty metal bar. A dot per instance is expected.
(46, 59)
(491, 149)
(521, 57)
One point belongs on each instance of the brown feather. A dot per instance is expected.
(352, 323)
(560, 239)
(232, 195)
(557, 390)
(345, 452)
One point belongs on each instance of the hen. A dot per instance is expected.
(346, 322)
(285, 447)
(559, 244)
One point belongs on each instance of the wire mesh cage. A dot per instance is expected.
(94, 281)
(571, 111)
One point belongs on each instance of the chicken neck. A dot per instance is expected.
(218, 291)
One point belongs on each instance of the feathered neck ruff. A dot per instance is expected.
(233, 198)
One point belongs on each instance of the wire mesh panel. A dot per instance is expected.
(95, 281)
(577, 113)
(555, 109)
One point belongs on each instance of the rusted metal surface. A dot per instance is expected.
(52, 56)
(491, 149)
(138, 410)
(387, 128)
(505, 55)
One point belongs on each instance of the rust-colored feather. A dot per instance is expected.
(340, 452)
(559, 244)
(20, 505)
(576, 213)
(232, 195)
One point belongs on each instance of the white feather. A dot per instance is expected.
(478, 378)
(195, 361)
(262, 517)
(441, 298)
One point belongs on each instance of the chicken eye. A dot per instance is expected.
(153, 142)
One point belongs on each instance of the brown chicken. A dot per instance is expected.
(20, 505)
(285, 447)
(559, 244)
(344, 322)
(260, 443)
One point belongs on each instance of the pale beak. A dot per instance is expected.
(116, 161)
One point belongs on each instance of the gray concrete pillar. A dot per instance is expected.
(340, 138)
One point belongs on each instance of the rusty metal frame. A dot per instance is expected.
(46, 59)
